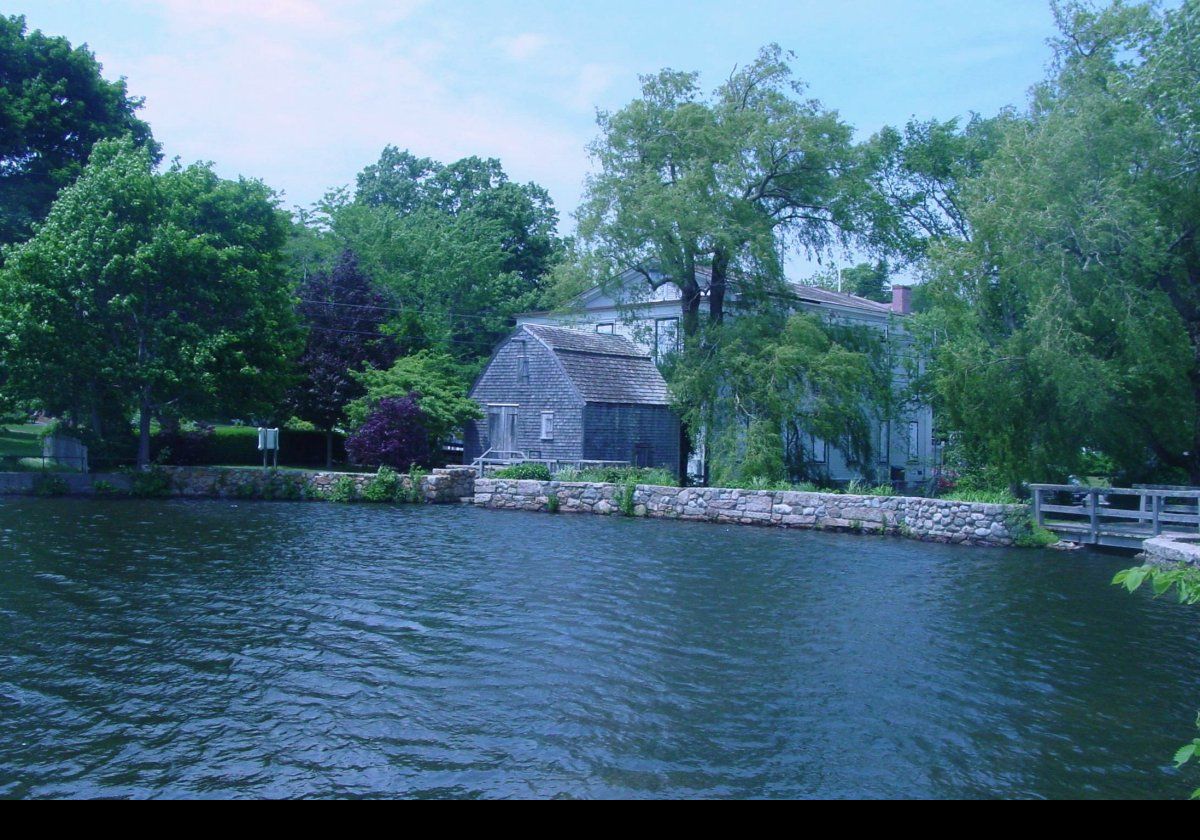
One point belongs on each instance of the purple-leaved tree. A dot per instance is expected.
(341, 310)
(395, 433)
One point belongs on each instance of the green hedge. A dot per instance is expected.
(237, 446)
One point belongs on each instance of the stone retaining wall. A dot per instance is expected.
(442, 486)
(935, 520)
(1169, 549)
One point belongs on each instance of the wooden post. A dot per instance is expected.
(1094, 515)
(1156, 502)
(1037, 505)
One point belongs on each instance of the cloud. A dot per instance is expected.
(523, 47)
(266, 92)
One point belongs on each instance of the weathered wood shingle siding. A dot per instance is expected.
(613, 432)
(548, 389)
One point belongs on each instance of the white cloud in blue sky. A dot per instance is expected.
(304, 93)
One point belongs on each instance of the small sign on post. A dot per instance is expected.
(268, 441)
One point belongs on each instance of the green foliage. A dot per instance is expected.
(344, 490)
(54, 106)
(386, 486)
(728, 182)
(552, 503)
(101, 487)
(619, 475)
(50, 485)
(768, 385)
(411, 492)
(858, 488)
(157, 293)
(1074, 303)
(625, 496)
(440, 382)
(530, 472)
(151, 483)
(459, 249)
(994, 496)
(1028, 534)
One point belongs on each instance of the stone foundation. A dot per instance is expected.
(935, 520)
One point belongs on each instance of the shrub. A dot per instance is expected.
(625, 497)
(50, 485)
(620, 475)
(344, 490)
(552, 503)
(983, 496)
(150, 484)
(394, 434)
(1028, 534)
(857, 488)
(104, 488)
(386, 486)
(410, 491)
(528, 472)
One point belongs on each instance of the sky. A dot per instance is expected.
(304, 93)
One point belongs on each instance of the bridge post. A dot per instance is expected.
(1157, 503)
(1037, 506)
(1094, 515)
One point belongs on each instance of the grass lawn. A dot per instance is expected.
(24, 441)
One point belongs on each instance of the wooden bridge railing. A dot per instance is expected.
(1116, 516)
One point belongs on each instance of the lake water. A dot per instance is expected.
(186, 649)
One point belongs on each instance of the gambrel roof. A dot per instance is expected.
(604, 368)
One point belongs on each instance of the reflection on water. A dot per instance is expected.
(216, 649)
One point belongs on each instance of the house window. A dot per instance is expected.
(605, 329)
(817, 451)
(884, 443)
(914, 441)
(666, 337)
(522, 364)
(547, 425)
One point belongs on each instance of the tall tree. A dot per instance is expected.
(694, 190)
(343, 313)
(472, 186)
(1070, 320)
(54, 106)
(160, 293)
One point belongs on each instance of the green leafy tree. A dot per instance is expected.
(772, 384)
(694, 190)
(160, 294)
(440, 386)
(54, 106)
(1069, 320)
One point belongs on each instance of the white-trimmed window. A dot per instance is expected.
(605, 329)
(885, 442)
(547, 425)
(818, 453)
(914, 441)
(666, 337)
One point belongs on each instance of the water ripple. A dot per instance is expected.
(190, 649)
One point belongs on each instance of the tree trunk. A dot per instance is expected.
(329, 449)
(689, 299)
(143, 456)
(716, 290)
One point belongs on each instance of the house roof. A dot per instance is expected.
(809, 294)
(815, 294)
(604, 368)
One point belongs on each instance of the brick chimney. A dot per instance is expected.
(902, 300)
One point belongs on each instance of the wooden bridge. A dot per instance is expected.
(1115, 516)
